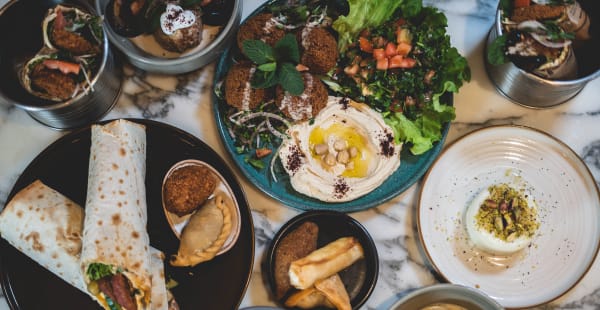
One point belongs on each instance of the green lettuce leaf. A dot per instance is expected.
(97, 271)
(422, 132)
(363, 14)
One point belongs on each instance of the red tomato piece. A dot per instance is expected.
(397, 61)
(408, 62)
(378, 53)
(365, 45)
(64, 66)
(403, 48)
(390, 49)
(522, 3)
(382, 64)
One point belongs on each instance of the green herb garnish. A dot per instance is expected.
(256, 163)
(555, 33)
(495, 53)
(97, 271)
(276, 65)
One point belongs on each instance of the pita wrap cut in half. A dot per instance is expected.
(115, 256)
(47, 227)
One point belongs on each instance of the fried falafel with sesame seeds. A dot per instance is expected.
(260, 27)
(308, 104)
(238, 90)
(318, 49)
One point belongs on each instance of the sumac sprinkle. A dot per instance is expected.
(386, 144)
(344, 102)
(294, 159)
(341, 188)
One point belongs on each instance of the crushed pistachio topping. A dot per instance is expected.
(506, 213)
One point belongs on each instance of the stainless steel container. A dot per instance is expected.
(21, 37)
(448, 294)
(183, 64)
(530, 90)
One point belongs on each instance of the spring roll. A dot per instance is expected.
(47, 226)
(115, 256)
(325, 262)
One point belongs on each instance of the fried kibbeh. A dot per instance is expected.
(187, 188)
(297, 244)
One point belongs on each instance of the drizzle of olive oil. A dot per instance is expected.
(359, 165)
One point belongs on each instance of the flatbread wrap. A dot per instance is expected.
(115, 255)
(47, 226)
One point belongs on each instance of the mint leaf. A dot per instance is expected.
(264, 79)
(268, 67)
(287, 49)
(290, 79)
(258, 51)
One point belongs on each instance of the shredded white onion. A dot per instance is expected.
(275, 131)
(250, 116)
(543, 39)
(272, 163)
(539, 32)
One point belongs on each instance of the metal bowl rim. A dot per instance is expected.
(148, 59)
(573, 82)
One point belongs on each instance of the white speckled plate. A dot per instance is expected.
(568, 201)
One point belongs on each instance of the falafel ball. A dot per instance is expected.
(238, 91)
(308, 104)
(260, 27)
(187, 188)
(181, 39)
(318, 48)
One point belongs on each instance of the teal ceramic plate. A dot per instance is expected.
(412, 167)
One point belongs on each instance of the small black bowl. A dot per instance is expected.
(360, 278)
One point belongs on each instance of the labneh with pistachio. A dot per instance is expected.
(502, 219)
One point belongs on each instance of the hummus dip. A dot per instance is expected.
(344, 153)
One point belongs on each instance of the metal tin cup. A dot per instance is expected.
(189, 61)
(531, 90)
(21, 25)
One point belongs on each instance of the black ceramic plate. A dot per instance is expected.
(217, 284)
(360, 278)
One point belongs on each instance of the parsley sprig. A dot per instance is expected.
(556, 33)
(276, 65)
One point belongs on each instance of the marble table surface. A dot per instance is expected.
(184, 101)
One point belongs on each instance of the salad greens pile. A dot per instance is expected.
(408, 98)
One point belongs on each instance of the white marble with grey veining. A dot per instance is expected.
(184, 101)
